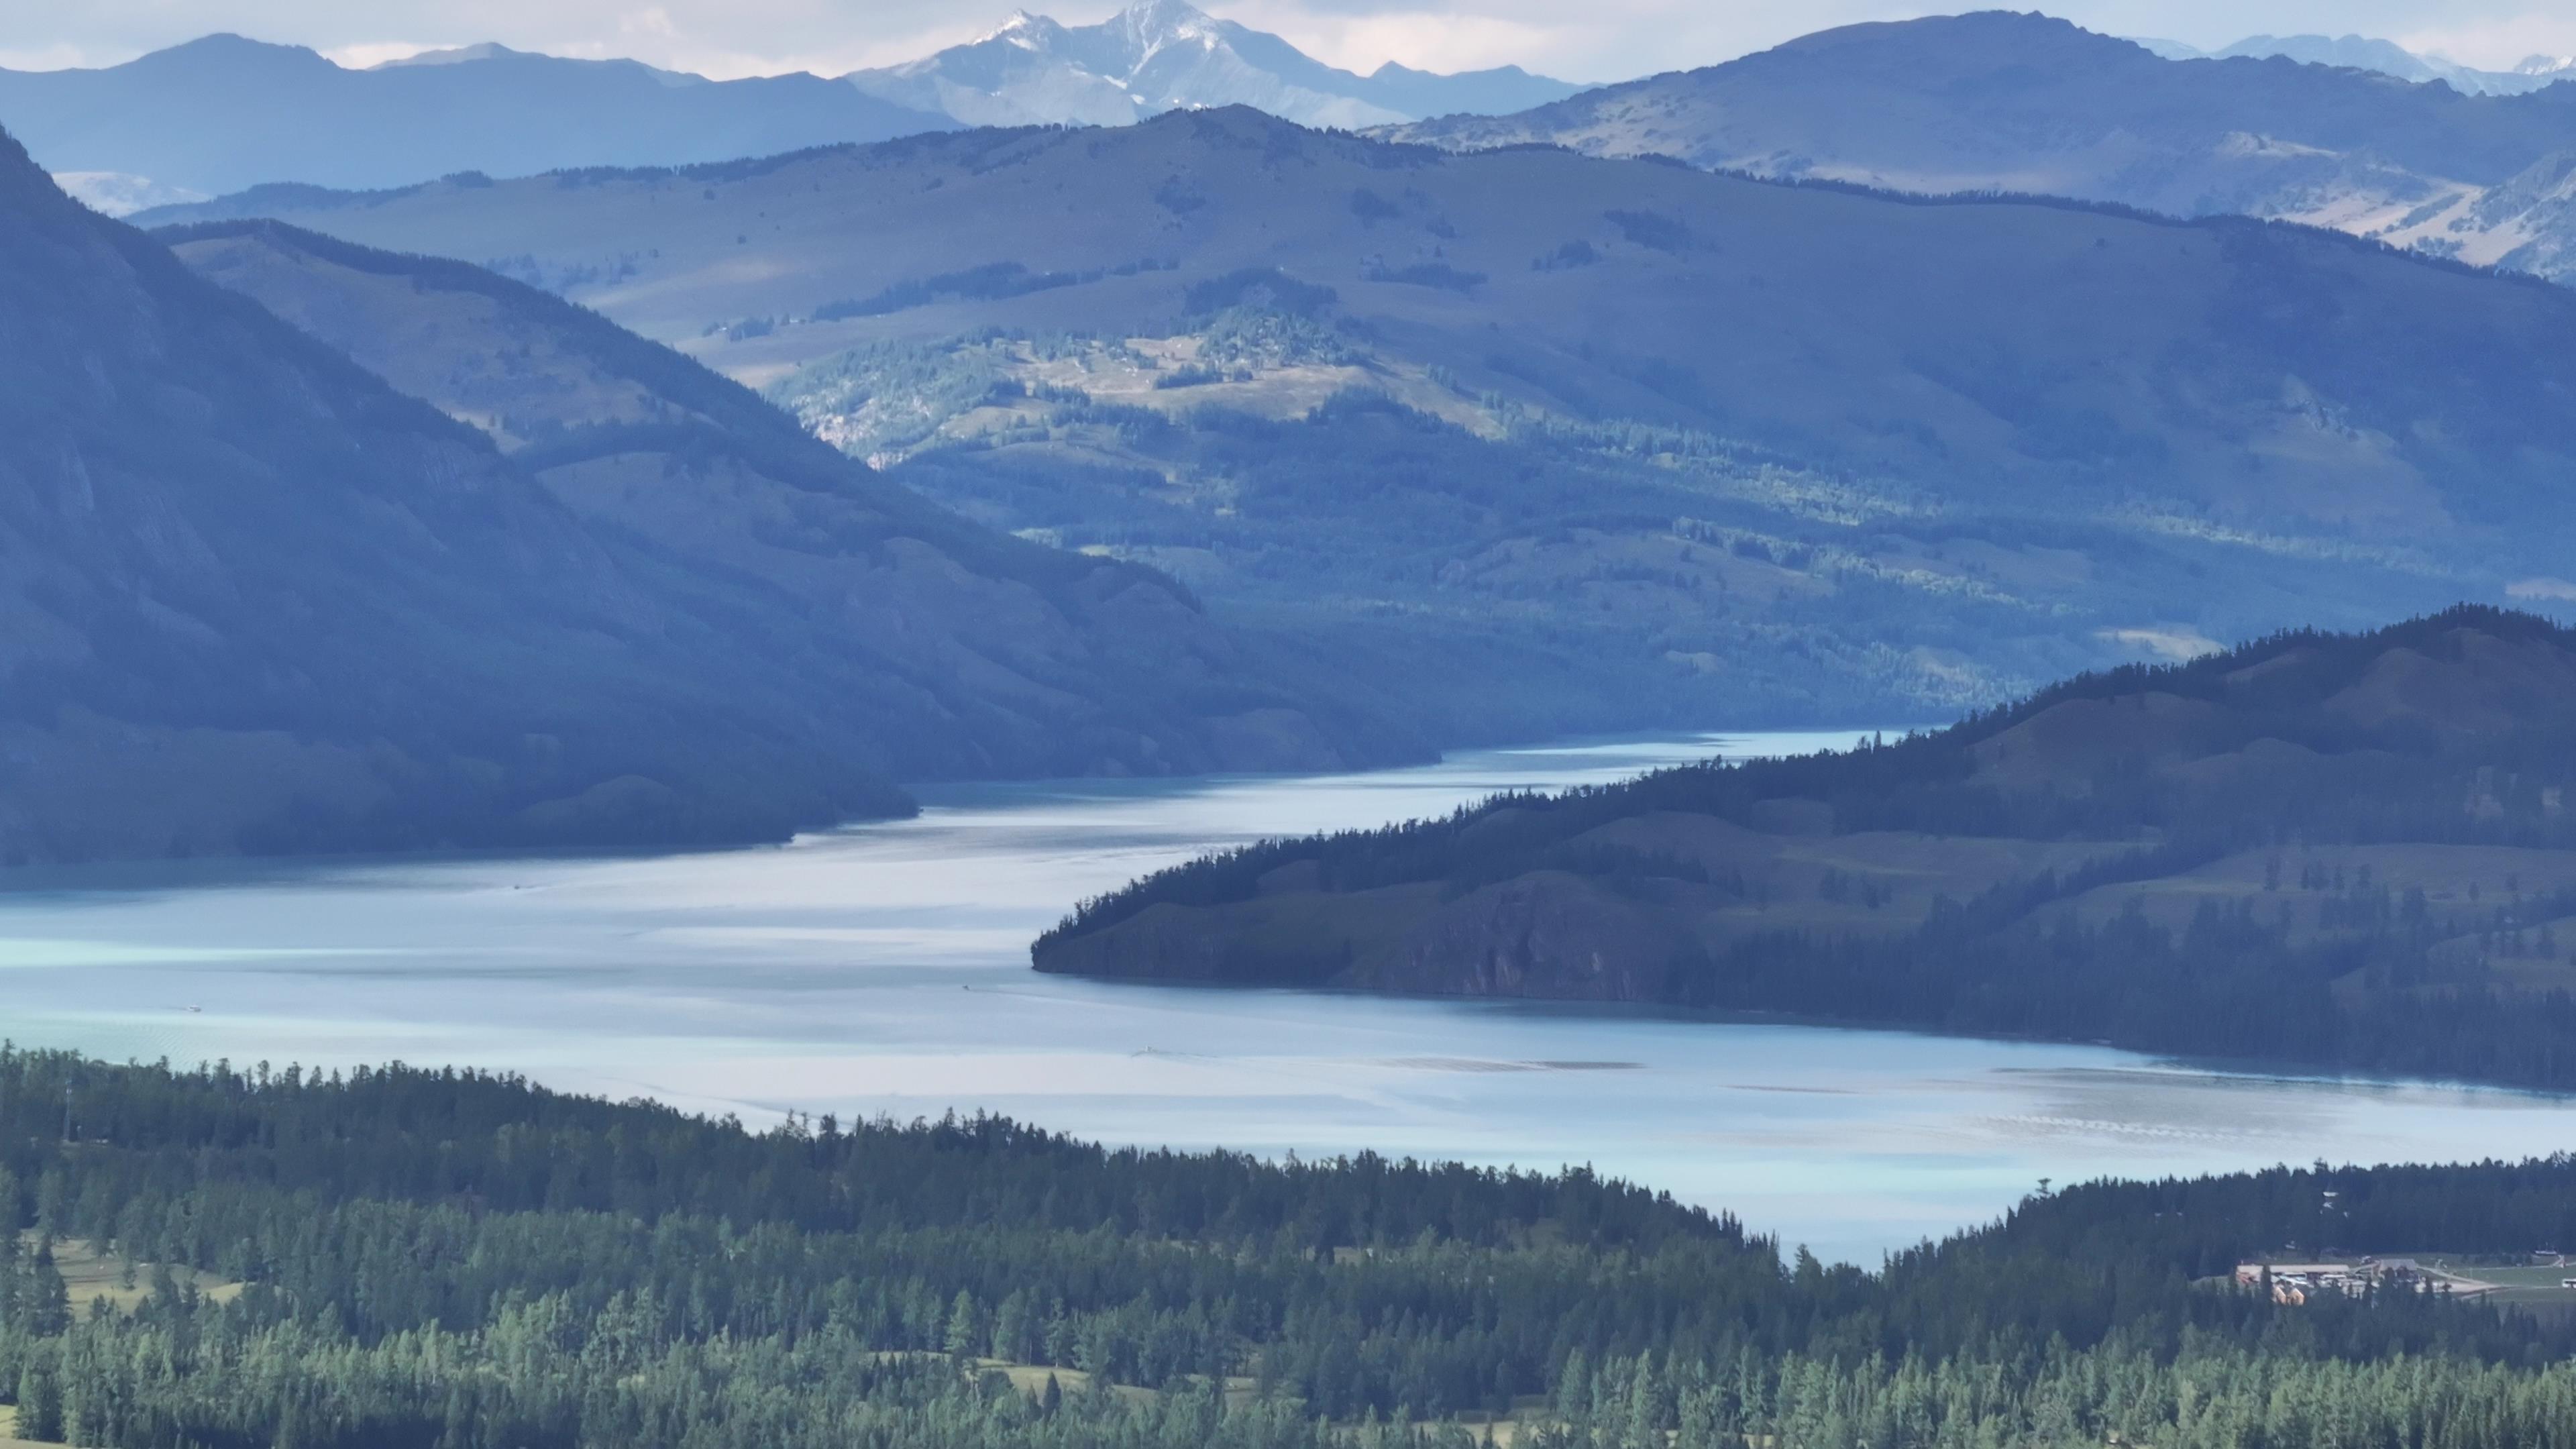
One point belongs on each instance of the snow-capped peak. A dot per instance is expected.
(2546, 65)
(1151, 25)
(1029, 32)
(1159, 55)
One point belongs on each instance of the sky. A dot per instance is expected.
(1596, 40)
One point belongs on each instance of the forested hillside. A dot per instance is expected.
(401, 1257)
(2327, 850)
(993, 656)
(261, 602)
(1564, 442)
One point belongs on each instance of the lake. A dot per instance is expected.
(884, 968)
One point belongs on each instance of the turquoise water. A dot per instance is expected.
(884, 969)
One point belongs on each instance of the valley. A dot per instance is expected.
(794, 727)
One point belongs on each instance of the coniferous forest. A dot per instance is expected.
(401, 1257)
(2347, 851)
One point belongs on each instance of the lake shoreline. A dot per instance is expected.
(883, 969)
(2251, 1068)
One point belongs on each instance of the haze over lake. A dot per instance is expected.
(884, 969)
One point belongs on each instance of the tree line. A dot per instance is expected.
(452, 1259)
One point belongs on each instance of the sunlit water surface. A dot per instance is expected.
(884, 969)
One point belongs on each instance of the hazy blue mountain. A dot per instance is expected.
(222, 113)
(1544, 438)
(262, 601)
(2362, 52)
(1162, 55)
(2024, 103)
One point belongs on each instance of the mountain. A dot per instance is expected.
(2347, 851)
(261, 601)
(222, 113)
(1003, 657)
(2360, 52)
(1549, 441)
(2025, 103)
(1164, 55)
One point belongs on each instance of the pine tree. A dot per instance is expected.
(48, 1305)
(960, 1339)
(40, 1405)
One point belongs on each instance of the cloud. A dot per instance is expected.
(1603, 40)
(366, 54)
(2499, 43)
(1452, 42)
(62, 55)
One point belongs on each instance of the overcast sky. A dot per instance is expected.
(1594, 40)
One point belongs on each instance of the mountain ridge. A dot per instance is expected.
(2362, 52)
(170, 691)
(1017, 643)
(1883, 456)
(1994, 101)
(224, 113)
(261, 601)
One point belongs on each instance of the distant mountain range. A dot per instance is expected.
(1164, 55)
(223, 113)
(1579, 439)
(2023, 103)
(2362, 52)
(549, 585)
